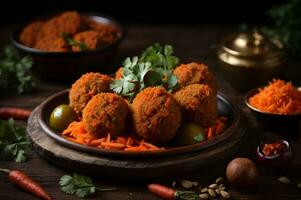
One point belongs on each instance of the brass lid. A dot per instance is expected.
(251, 49)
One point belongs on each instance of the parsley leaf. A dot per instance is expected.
(199, 137)
(14, 71)
(13, 141)
(79, 185)
(71, 42)
(152, 68)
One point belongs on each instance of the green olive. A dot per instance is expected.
(61, 117)
(190, 133)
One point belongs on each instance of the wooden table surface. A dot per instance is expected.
(191, 43)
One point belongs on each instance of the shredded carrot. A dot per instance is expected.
(278, 97)
(210, 133)
(76, 133)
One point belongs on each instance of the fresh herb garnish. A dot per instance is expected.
(13, 141)
(71, 42)
(199, 137)
(153, 68)
(14, 71)
(79, 185)
(287, 23)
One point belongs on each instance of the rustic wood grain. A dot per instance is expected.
(196, 43)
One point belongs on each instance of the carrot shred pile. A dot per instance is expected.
(76, 133)
(278, 97)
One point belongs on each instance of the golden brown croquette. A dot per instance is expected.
(90, 38)
(198, 104)
(156, 115)
(192, 73)
(106, 113)
(29, 34)
(119, 73)
(85, 88)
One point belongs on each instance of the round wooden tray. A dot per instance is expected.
(131, 167)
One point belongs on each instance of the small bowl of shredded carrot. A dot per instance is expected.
(277, 105)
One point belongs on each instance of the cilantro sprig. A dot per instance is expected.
(14, 71)
(13, 141)
(152, 68)
(79, 185)
(71, 42)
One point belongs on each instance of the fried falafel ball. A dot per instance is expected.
(192, 73)
(67, 22)
(198, 104)
(119, 73)
(106, 113)
(52, 44)
(29, 34)
(90, 38)
(107, 33)
(87, 86)
(156, 115)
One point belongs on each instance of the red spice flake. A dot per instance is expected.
(275, 148)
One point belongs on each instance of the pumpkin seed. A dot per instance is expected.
(217, 191)
(299, 185)
(194, 183)
(219, 180)
(225, 194)
(222, 188)
(284, 180)
(211, 193)
(213, 186)
(204, 196)
(187, 184)
(204, 190)
(221, 185)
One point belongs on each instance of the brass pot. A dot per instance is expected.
(251, 59)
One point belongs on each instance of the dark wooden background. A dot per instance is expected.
(191, 43)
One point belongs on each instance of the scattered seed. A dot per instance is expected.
(211, 193)
(213, 186)
(222, 188)
(173, 183)
(299, 185)
(204, 190)
(284, 180)
(194, 183)
(187, 184)
(204, 196)
(219, 180)
(225, 194)
(217, 191)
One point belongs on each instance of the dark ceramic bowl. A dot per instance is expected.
(225, 108)
(68, 66)
(278, 161)
(274, 122)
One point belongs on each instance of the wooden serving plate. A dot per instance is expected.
(88, 160)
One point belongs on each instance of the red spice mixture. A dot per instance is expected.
(270, 149)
